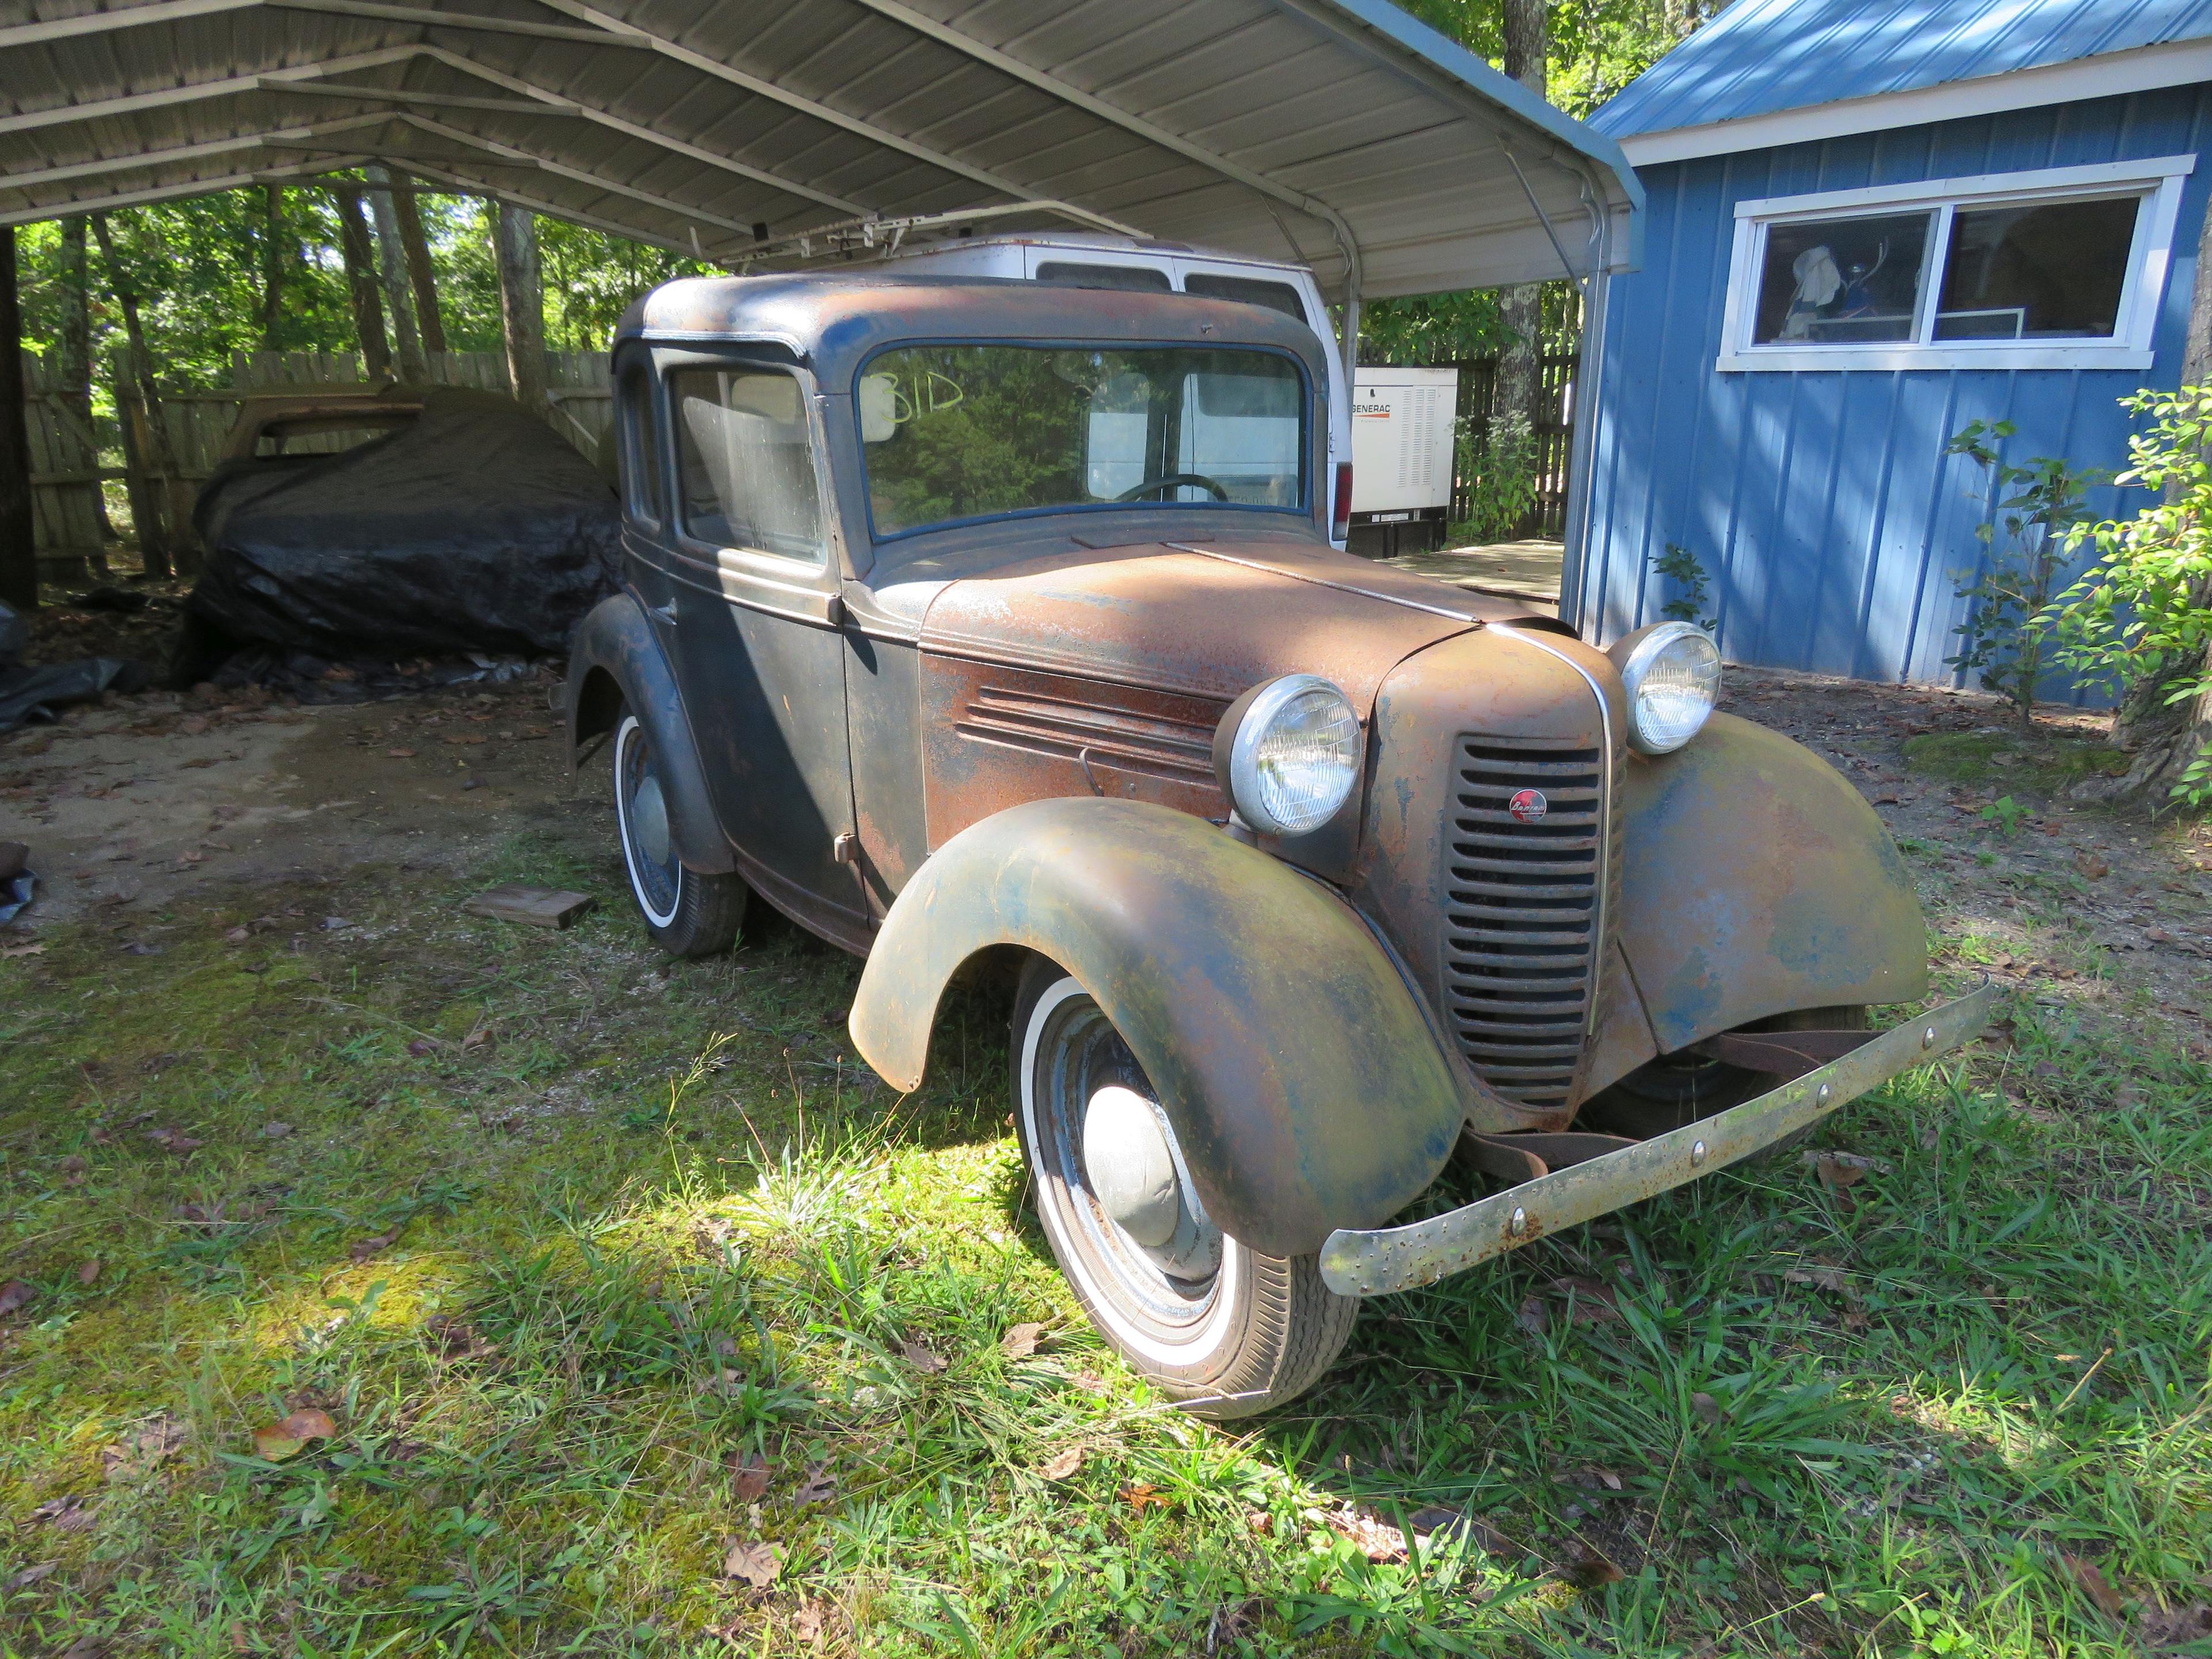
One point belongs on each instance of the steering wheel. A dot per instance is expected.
(1167, 479)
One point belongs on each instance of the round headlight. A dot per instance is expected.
(1672, 674)
(1287, 753)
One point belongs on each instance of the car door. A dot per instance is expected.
(758, 642)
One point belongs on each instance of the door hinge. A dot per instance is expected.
(845, 848)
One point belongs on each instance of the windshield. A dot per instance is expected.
(955, 431)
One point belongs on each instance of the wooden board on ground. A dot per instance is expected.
(541, 907)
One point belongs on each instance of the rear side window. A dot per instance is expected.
(1134, 279)
(638, 454)
(1248, 290)
(745, 461)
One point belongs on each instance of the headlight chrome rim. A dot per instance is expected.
(1260, 719)
(1647, 734)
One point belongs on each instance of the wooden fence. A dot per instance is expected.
(1554, 434)
(69, 448)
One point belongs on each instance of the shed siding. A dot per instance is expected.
(1834, 530)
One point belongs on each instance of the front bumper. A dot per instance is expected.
(1374, 1263)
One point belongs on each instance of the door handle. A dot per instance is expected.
(666, 612)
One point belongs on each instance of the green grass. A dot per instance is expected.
(655, 1220)
(2046, 763)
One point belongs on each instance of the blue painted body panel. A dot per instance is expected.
(1761, 56)
(1833, 528)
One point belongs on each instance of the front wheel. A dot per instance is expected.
(686, 913)
(1220, 1328)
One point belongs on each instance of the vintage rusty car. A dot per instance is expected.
(982, 625)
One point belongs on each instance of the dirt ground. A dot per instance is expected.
(139, 801)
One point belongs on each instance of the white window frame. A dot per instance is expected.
(2149, 258)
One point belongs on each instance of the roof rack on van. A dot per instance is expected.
(882, 235)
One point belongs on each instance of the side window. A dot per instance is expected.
(1248, 290)
(1133, 279)
(639, 452)
(744, 461)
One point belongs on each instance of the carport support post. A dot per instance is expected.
(19, 553)
(521, 303)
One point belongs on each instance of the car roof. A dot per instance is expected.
(833, 322)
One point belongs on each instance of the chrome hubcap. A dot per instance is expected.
(649, 816)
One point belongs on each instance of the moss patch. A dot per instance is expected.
(2047, 763)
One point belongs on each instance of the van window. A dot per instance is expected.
(638, 455)
(1134, 279)
(1247, 290)
(744, 461)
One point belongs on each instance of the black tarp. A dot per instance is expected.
(28, 693)
(474, 528)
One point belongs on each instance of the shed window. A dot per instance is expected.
(2061, 269)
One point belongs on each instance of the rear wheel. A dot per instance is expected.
(1223, 1329)
(686, 913)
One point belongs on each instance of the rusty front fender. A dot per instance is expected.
(1755, 881)
(1303, 1082)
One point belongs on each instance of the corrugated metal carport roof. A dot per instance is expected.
(1336, 131)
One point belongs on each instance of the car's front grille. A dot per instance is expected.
(1522, 912)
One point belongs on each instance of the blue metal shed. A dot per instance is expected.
(1871, 222)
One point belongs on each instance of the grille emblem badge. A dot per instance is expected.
(1528, 806)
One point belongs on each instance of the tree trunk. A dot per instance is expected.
(420, 271)
(521, 304)
(154, 471)
(2166, 737)
(1519, 387)
(19, 551)
(360, 280)
(274, 248)
(73, 355)
(392, 267)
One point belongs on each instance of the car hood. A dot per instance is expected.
(1204, 620)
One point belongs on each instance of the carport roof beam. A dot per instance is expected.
(806, 106)
(282, 138)
(426, 99)
(429, 18)
(183, 187)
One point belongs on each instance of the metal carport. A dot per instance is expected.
(1339, 132)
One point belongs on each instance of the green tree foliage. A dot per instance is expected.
(2006, 638)
(2140, 616)
(198, 264)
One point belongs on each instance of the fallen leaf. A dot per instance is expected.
(238, 935)
(922, 1360)
(2094, 1585)
(1594, 1303)
(29, 1576)
(1588, 1568)
(89, 1272)
(13, 1295)
(750, 1474)
(400, 754)
(139, 1452)
(1707, 1408)
(275, 1131)
(1825, 1277)
(59, 1512)
(421, 1047)
(1061, 1464)
(175, 1140)
(810, 1622)
(22, 950)
(1377, 1540)
(1142, 1495)
(758, 1564)
(818, 1487)
(1836, 1173)
(277, 1441)
(192, 724)
(73, 1171)
(361, 1250)
(2092, 868)
(1020, 1340)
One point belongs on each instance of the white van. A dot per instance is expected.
(1094, 260)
